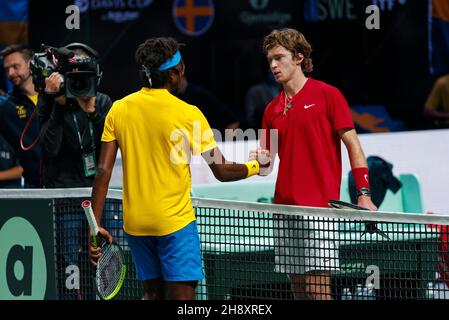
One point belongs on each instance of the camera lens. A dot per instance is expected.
(80, 84)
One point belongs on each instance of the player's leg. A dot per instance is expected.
(289, 252)
(181, 290)
(321, 257)
(154, 289)
(180, 261)
(147, 264)
(317, 285)
(298, 286)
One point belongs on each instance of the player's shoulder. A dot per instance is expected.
(186, 108)
(130, 98)
(321, 85)
(325, 89)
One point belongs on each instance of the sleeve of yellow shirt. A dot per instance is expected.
(109, 129)
(202, 136)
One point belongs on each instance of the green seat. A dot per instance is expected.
(407, 199)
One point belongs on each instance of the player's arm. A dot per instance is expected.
(106, 162)
(229, 171)
(359, 167)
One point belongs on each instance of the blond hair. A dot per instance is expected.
(292, 40)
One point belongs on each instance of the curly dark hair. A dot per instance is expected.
(151, 54)
(292, 40)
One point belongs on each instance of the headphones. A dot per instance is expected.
(91, 51)
(84, 47)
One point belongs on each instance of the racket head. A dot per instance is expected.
(370, 226)
(111, 270)
(344, 205)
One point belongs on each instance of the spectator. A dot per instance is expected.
(217, 113)
(436, 107)
(16, 110)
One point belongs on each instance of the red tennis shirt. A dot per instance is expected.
(308, 143)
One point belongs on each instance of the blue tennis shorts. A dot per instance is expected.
(174, 257)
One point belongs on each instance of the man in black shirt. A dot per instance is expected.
(70, 133)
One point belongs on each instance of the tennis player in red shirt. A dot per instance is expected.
(311, 118)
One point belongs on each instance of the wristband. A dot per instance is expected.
(361, 178)
(363, 192)
(253, 167)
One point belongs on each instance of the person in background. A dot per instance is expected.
(218, 114)
(16, 110)
(257, 98)
(436, 107)
(70, 132)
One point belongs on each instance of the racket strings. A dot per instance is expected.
(109, 270)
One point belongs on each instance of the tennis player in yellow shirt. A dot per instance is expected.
(157, 133)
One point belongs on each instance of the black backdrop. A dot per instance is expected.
(387, 66)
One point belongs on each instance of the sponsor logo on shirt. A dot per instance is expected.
(307, 106)
(21, 112)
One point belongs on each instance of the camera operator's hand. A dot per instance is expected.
(87, 104)
(53, 85)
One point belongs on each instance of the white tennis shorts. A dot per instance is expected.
(305, 244)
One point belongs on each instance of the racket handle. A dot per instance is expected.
(87, 206)
(94, 241)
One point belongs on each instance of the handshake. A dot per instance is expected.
(263, 157)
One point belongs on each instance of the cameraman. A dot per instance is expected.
(70, 133)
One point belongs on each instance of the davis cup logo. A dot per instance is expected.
(193, 17)
(23, 266)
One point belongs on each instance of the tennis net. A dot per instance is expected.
(265, 251)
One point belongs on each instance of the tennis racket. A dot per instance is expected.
(111, 268)
(370, 227)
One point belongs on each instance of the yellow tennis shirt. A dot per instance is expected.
(157, 133)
